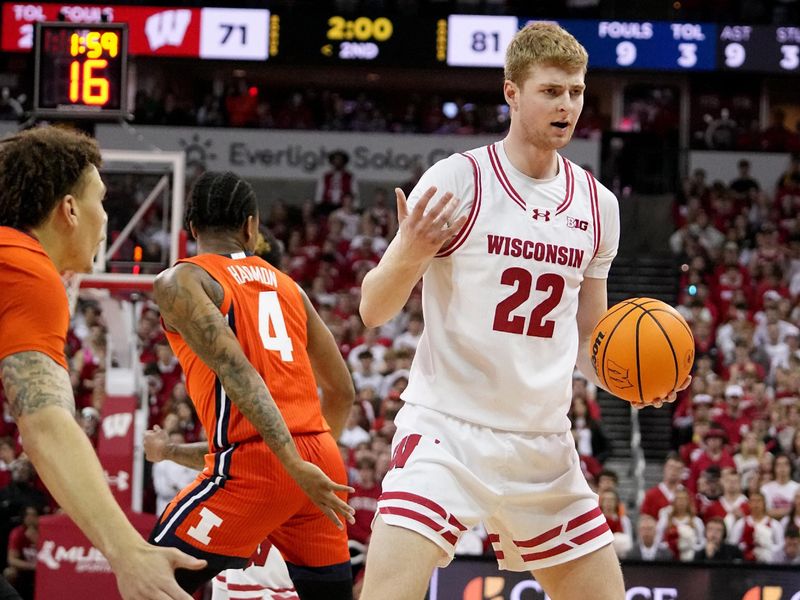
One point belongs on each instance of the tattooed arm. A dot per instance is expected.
(158, 447)
(40, 397)
(189, 298)
(330, 371)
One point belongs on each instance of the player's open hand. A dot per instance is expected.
(671, 397)
(148, 573)
(156, 444)
(422, 231)
(322, 491)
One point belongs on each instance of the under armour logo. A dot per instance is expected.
(538, 213)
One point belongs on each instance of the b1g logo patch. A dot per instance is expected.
(574, 223)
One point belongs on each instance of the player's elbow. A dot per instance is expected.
(345, 394)
(370, 314)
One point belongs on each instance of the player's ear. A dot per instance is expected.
(67, 210)
(250, 229)
(511, 92)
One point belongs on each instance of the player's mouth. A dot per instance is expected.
(560, 124)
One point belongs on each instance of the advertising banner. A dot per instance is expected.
(477, 579)
(70, 567)
(297, 155)
(115, 446)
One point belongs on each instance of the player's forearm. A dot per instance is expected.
(385, 289)
(191, 455)
(584, 363)
(249, 393)
(336, 405)
(39, 394)
(68, 466)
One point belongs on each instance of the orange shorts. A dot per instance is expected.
(247, 496)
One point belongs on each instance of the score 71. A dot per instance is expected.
(234, 34)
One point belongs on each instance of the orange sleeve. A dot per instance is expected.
(34, 311)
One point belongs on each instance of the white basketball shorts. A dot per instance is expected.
(528, 489)
(266, 578)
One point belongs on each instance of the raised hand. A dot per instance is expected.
(423, 233)
(671, 397)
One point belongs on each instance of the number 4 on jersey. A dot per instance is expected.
(272, 327)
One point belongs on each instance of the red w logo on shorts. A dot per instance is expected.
(403, 451)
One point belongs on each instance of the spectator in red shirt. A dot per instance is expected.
(736, 414)
(364, 500)
(168, 368)
(661, 495)
(22, 553)
(713, 455)
(8, 454)
(733, 504)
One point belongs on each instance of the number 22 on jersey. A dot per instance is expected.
(538, 326)
(272, 326)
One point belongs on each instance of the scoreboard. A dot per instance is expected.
(759, 48)
(481, 41)
(472, 41)
(336, 38)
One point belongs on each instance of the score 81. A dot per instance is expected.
(485, 40)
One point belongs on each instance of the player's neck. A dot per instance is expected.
(54, 244)
(220, 245)
(534, 162)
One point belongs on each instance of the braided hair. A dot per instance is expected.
(38, 167)
(220, 202)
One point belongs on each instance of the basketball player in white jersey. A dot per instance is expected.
(514, 255)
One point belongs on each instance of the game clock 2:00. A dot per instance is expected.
(80, 69)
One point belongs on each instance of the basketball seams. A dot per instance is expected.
(669, 342)
(610, 335)
(638, 362)
(681, 321)
(641, 304)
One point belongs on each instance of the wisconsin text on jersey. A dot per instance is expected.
(538, 251)
(247, 273)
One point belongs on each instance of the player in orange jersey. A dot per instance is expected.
(51, 221)
(254, 352)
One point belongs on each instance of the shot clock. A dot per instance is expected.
(81, 70)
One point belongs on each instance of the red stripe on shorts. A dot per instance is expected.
(591, 534)
(584, 518)
(409, 497)
(540, 539)
(415, 516)
(554, 551)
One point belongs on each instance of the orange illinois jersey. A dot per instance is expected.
(34, 310)
(265, 310)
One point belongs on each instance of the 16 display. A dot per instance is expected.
(80, 70)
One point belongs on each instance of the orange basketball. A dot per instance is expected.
(642, 349)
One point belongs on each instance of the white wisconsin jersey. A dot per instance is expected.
(500, 299)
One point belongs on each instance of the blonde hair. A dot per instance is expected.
(543, 43)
